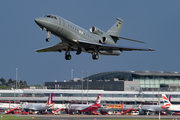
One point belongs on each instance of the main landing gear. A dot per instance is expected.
(48, 36)
(68, 57)
(95, 56)
(67, 54)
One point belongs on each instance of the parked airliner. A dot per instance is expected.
(75, 38)
(86, 107)
(168, 106)
(154, 108)
(40, 106)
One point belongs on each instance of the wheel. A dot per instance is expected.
(95, 57)
(68, 57)
(47, 39)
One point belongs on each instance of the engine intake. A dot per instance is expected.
(96, 30)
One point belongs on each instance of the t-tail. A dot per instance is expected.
(115, 30)
(49, 101)
(166, 102)
(98, 100)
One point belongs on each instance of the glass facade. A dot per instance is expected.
(149, 80)
(99, 85)
(147, 84)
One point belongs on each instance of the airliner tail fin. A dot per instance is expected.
(166, 102)
(98, 100)
(49, 101)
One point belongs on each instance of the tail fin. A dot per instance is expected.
(169, 98)
(49, 101)
(166, 101)
(98, 100)
(116, 28)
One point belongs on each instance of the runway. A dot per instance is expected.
(95, 117)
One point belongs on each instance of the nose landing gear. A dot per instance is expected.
(48, 36)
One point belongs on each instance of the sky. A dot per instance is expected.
(155, 22)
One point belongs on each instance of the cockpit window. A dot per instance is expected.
(51, 16)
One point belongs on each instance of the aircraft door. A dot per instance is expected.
(61, 25)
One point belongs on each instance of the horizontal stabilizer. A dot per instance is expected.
(131, 40)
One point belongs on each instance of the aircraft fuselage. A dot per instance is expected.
(75, 38)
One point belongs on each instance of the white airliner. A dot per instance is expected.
(6, 106)
(152, 108)
(168, 106)
(86, 107)
(40, 106)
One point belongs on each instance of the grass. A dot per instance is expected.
(138, 119)
(12, 117)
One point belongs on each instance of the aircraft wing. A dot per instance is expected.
(90, 45)
(58, 47)
(101, 46)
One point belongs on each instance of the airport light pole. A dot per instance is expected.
(87, 85)
(159, 99)
(71, 74)
(159, 107)
(16, 77)
(14, 92)
(82, 86)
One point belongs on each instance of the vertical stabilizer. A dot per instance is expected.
(49, 101)
(116, 28)
(166, 101)
(169, 98)
(98, 100)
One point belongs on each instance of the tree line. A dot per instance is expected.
(12, 84)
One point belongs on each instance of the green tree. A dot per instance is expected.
(11, 83)
(3, 81)
(4, 87)
(38, 85)
(20, 84)
(25, 84)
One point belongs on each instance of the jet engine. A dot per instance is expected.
(96, 30)
(103, 39)
(106, 40)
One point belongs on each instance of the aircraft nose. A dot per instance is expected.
(46, 23)
(41, 22)
(38, 21)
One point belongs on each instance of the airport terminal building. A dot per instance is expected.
(123, 81)
(129, 87)
(68, 96)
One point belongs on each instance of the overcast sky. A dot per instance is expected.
(156, 22)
